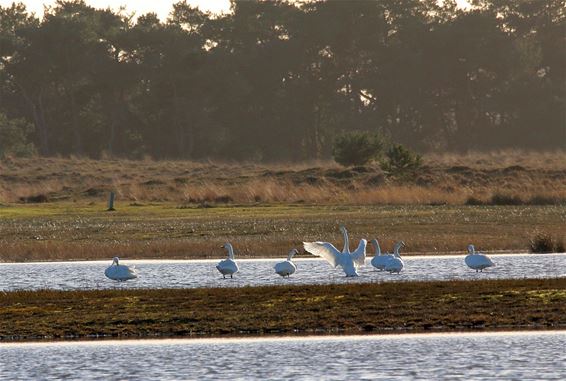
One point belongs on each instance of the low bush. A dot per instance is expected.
(401, 160)
(543, 242)
(474, 201)
(503, 199)
(357, 148)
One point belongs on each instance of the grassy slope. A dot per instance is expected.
(377, 308)
(534, 178)
(66, 230)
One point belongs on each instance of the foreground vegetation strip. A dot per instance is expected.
(285, 310)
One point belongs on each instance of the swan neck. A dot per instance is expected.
(396, 250)
(291, 254)
(230, 252)
(377, 248)
(346, 241)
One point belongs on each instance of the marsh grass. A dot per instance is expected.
(52, 208)
(79, 231)
(351, 309)
(490, 178)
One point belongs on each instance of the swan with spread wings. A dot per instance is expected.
(349, 261)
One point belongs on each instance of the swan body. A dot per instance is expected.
(287, 267)
(476, 260)
(395, 264)
(119, 272)
(228, 266)
(379, 260)
(348, 261)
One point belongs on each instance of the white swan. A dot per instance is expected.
(119, 272)
(477, 261)
(379, 260)
(395, 264)
(228, 266)
(360, 260)
(348, 261)
(287, 267)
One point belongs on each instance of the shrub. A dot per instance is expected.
(544, 243)
(357, 148)
(504, 199)
(401, 160)
(474, 201)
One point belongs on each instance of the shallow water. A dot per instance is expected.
(510, 356)
(192, 274)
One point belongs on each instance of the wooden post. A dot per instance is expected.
(111, 202)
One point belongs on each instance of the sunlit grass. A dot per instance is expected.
(525, 177)
(67, 231)
(183, 209)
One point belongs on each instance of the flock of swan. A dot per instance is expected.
(349, 261)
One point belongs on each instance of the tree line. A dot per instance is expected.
(278, 80)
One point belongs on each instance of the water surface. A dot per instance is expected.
(202, 273)
(509, 356)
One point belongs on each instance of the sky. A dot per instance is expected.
(161, 7)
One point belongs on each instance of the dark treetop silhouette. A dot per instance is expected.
(274, 80)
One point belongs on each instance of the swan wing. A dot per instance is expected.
(487, 260)
(359, 256)
(325, 250)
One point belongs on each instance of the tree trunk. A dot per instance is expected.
(43, 130)
(38, 114)
(77, 137)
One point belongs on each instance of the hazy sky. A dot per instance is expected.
(161, 7)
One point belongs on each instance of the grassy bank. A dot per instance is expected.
(67, 230)
(351, 309)
(508, 177)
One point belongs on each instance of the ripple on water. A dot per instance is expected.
(520, 356)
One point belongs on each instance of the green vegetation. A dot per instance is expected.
(348, 309)
(14, 139)
(357, 148)
(279, 80)
(401, 160)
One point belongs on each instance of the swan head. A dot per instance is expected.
(471, 249)
(230, 250)
(116, 261)
(400, 244)
(291, 253)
